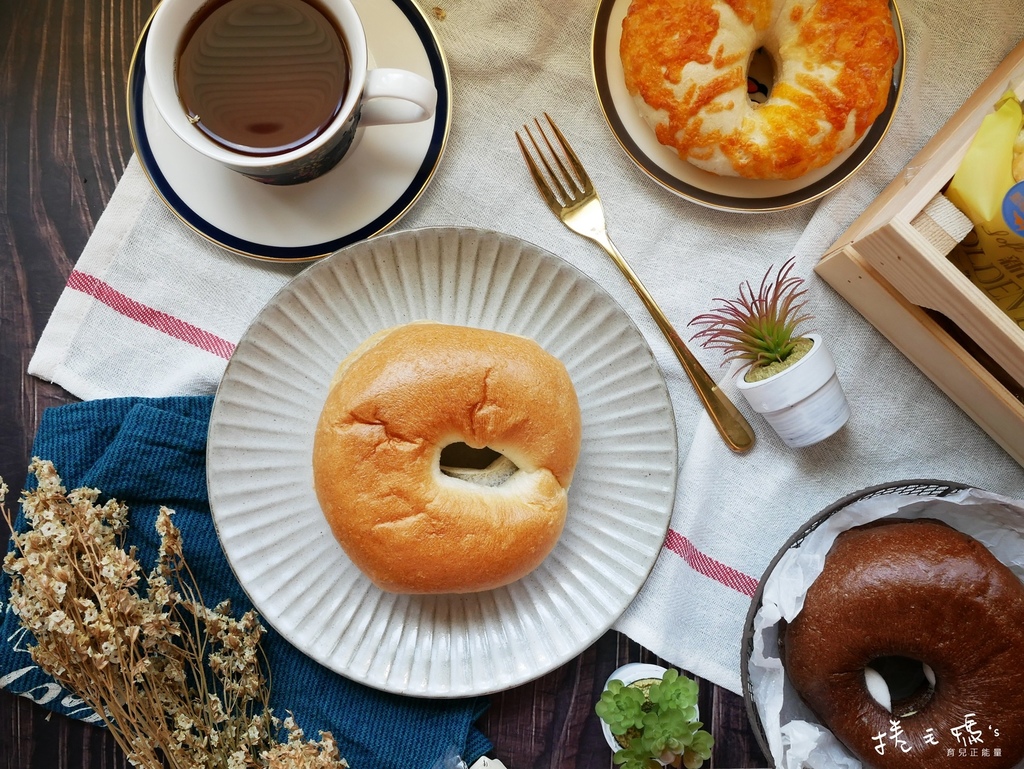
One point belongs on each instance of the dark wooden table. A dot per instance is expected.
(64, 143)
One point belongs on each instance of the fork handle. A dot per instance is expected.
(730, 423)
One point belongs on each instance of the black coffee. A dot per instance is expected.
(262, 77)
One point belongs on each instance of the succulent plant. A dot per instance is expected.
(759, 327)
(621, 707)
(659, 724)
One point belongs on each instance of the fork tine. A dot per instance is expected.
(559, 181)
(564, 180)
(571, 156)
(538, 177)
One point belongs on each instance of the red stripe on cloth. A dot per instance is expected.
(161, 321)
(708, 566)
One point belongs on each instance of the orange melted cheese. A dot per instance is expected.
(690, 72)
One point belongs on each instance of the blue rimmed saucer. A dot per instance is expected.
(382, 176)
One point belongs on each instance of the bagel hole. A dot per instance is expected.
(908, 684)
(483, 467)
(760, 76)
(461, 456)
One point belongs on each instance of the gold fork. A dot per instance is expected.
(573, 199)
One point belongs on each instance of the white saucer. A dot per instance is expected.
(375, 184)
(662, 163)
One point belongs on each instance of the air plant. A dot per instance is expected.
(759, 327)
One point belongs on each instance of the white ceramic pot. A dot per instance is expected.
(630, 673)
(805, 402)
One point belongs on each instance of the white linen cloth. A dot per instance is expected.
(171, 306)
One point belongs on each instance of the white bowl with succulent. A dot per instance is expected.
(649, 718)
(789, 378)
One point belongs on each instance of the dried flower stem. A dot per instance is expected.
(178, 684)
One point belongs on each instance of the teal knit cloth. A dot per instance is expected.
(152, 452)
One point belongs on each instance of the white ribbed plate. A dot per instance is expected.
(261, 480)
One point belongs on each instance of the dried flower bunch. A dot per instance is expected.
(179, 685)
(757, 327)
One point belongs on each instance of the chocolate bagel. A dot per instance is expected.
(914, 594)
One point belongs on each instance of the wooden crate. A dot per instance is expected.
(891, 265)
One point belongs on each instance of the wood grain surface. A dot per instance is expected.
(64, 142)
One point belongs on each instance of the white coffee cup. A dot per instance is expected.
(380, 96)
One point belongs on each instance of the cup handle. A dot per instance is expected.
(396, 96)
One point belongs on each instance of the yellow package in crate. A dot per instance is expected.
(985, 188)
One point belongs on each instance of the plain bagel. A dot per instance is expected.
(926, 594)
(395, 403)
(686, 62)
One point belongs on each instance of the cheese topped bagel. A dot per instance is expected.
(686, 63)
